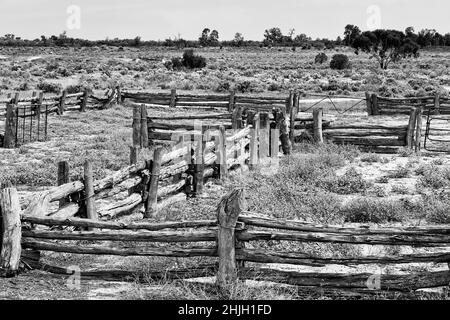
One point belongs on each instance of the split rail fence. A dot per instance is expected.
(225, 238)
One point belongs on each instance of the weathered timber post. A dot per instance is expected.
(222, 153)
(84, 101)
(199, 165)
(173, 98)
(144, 127)
(62, 102)
(38, 113)
(63, 178)
(151, 205)
(228, 211)
(280, 119)
(236, 119)
(134, 155)
(89, 200)
(254, 142)
(375, 106)
(9, 140)
(119, 95)
(10, 232)
(369, 104)
(418, 139)
(293, 116)
(274, 140)
(264, 137)
(136, 126)
(437, 104)
(411, 128)
(317, 118)
(232, 101)
(290, 102)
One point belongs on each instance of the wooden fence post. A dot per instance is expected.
(84, 101)
(236, 120)
(284, 136)
(199, 165)
(293, 116)
(437, 104)
(411, 128)
(232, 101)
(418, 139)
(62, 102)
(274, 141)
(254, 142)
(136, 126)
(38, 113)
(151, 205)
(290, 102)
(119, 94)
(10, 232)
(264, 137)
(63, 178)
(317, 117)
(173, 98)
(369, 104)
(134, 155)
(228, 211)
(144, 127)
(222, 150)
(89, 191)
(375, 107)
(10, 126)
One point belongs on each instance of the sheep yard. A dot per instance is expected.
(335, 183)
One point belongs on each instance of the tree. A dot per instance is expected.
(273, 36)
(137, 41)
(350, 34)
(386, 46)
(238, 39)
(213, 39)
(203, 40)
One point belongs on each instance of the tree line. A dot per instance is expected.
(273, 37)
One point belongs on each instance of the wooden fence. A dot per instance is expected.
(402, 106)
(26, 119)
(25, 235)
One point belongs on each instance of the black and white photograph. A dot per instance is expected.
(228, 156)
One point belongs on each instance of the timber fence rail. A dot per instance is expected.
(225, 238)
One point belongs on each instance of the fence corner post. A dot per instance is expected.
(136, 126)
(9, 140)
(228, 211)
(63, 178)
(222, 149)
(10, 232)
(437, 104)
(318, 133)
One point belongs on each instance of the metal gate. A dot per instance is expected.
(31, 123)
(437, 134)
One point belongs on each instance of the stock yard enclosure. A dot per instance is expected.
(225, 238)
(25, 119)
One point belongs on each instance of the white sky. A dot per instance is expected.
(158, 20)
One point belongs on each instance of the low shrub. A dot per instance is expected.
(340, 62)
(321, 58)
(364, 210)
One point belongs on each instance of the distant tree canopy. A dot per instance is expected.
(271, 37)
(385, 45)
